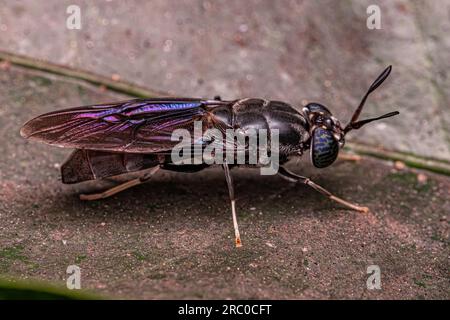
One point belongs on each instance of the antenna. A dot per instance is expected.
(354, 124)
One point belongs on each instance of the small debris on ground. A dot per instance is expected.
(399, 165)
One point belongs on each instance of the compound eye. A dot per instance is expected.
(324, 148)
(329, 123)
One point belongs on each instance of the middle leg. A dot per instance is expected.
(229, 179)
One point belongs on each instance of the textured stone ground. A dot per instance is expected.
(295, 51)
(172, 238)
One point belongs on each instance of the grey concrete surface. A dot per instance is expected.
(173, 237)
(295, 51)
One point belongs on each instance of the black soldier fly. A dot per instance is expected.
(135, 135)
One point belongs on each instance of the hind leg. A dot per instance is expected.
(120, 187)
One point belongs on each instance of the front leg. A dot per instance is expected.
(288, 175)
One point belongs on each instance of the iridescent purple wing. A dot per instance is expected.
(135, 126)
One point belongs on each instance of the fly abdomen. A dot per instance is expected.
(83, 165)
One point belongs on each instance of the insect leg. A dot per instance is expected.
(283, 172)
(229, 179)
(120, 187)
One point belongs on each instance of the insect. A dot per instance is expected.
(135, 135)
